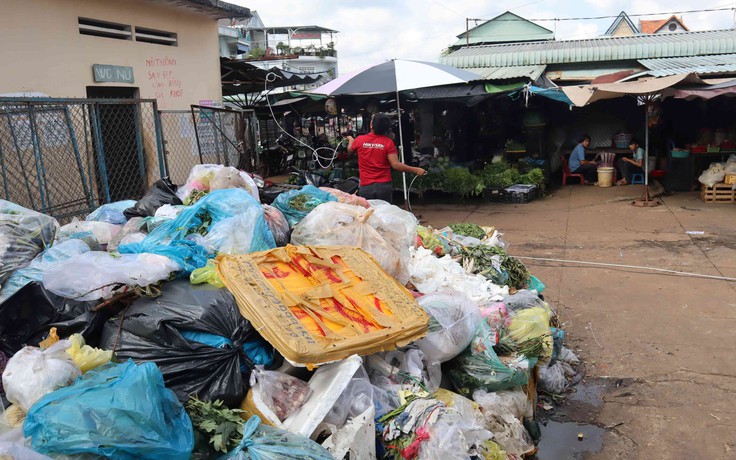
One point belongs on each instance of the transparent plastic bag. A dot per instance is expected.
(96, 275)
(23, 235)
(52, 256)
(552, 378)
(347, 198)
(397, 370)
(86, 357)
(103, 232)
(13, 446)
(282, 393)
(296, 204)
(479, 367)
(261, 442)
(523, 298)
(278, 224)
(201, 178)
(32, 373)
(356, 399)
(528, 332)
(395, 218)
(112, 213)
(453, 321)
(338, 224)
(503, 412)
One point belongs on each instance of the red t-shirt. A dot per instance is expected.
(373, 151)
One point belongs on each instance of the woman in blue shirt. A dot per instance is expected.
(630, 166)
(579, 165)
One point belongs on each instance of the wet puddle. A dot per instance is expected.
(587, 393)
(561, 441)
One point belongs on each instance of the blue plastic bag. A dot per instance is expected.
(226, 221)
(315, 197)
(262, 442)
(121, 411)
(59, 252)
(111, 213)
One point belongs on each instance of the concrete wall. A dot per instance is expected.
(42, 50)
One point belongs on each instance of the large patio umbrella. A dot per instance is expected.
(392, 77)
(646, 91)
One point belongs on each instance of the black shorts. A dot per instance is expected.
(377, 191)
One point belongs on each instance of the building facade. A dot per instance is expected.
(163, 50)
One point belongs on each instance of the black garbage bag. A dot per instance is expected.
(23, 235)
(27, 316)
(196, 336)
(162, 192)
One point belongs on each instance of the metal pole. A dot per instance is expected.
(401, 145)
(646, 146)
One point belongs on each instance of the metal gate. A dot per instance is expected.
(65, 157)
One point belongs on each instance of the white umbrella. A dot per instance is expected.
(392, 77)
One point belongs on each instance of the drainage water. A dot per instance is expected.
(560, 441)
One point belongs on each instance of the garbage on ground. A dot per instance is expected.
(338, 224)
(321, 304)
(360, 330)
(196, 337)
(118, 411)
(23, 235)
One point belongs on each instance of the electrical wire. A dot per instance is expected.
(329, 159)
(636, 267)
(589, 18)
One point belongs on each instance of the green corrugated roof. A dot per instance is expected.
(595, 50)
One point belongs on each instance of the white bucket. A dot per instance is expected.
(605, 176)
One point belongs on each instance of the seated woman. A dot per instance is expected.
(631, 166)
(579, 165)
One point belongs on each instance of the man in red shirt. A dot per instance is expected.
(377, 155)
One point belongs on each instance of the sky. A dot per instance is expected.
(371, 32)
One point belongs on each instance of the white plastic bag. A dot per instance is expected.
(395, 217)
(103, 232)
(13, 446)
(96, 275)
(32, 373)
(431, 274)
(503, 411)
(713, 175)
(168, 211)
(453, 321)
(201, 178)
(339, 224)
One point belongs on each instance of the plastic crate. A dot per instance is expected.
(621, 141)
(521, 193)
(494, 194)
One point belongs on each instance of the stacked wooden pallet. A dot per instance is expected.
(719, 193)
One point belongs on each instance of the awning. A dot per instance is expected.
(555, 94)
(583, 95)
(722, 89)
(532, 72)
(243, 48)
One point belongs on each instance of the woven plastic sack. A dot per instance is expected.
(118, 411)
(453, 320)
(278, 224)
(112, 213)
(52, 256)
(262, 442)
(296, 204)
(338, 224)
(96, 275)
(23, 235)
(32, 373)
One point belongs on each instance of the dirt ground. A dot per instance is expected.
(661, 346)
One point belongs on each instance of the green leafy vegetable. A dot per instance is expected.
(463, 182)
(212, 421)
(467, 229)
(482, 258)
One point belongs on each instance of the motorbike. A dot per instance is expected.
(305, 177)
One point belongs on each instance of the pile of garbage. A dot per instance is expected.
(199, 323)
